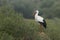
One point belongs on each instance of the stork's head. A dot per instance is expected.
(35, 12)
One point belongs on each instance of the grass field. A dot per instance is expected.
(53, 27)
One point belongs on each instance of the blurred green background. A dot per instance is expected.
(17, 22)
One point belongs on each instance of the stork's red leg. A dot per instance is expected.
(41, 28)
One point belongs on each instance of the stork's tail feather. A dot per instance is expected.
(44, 24)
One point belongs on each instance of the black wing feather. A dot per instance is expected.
(44, 23)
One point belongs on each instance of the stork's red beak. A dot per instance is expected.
(34, 13)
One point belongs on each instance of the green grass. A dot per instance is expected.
(53, 27)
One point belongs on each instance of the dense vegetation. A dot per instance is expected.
(13, 25)
(47, 8)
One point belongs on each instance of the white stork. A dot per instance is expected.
(39, 19)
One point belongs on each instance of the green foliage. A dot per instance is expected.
(53, 29)
(10, 24)
(14, 27)
(48, 8)
(5, 36)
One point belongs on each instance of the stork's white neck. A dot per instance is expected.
(36, 12)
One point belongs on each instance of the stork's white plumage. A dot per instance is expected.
(39, 19)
